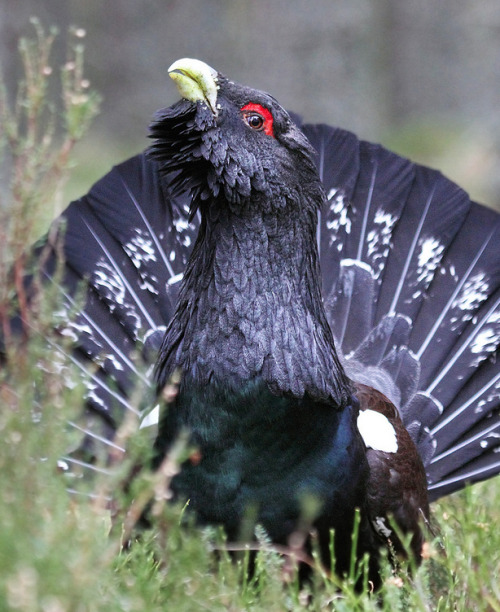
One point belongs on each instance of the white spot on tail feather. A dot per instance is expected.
(487, 339)
(429, 257)
(175, 279)
(379, 239)
(473, 293)
(475, 290)
(377, 432)
(141, 251)
(352, 263)
(140, 248)
(337, 217)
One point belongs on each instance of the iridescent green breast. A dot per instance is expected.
(266, 454)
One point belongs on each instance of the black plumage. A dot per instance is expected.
(333, 309)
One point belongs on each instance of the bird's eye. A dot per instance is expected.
(258, 118)
(255, 121)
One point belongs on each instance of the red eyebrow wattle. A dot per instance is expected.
(264, 112)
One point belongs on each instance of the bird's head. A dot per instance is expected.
(225, 139)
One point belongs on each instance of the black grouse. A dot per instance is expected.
(333, 309)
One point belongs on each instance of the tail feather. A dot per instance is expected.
(477, 343)
(338, 165)
(404, 370)
(95, 254)
(413, 299)
(411, 278)
(99, 336)
(478, 439)
(392, 331)
(478, 398)
(383, 178)
(124, 247)
(350, 304)
(433, 213)
(485, 466)
(469, 274)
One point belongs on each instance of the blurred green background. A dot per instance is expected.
(420, 76)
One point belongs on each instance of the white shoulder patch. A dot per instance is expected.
(377, 432)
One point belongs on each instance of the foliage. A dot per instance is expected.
(62, 552)
(37, 137)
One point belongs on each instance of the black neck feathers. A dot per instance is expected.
(250, 307)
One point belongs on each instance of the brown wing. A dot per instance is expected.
(397, 486)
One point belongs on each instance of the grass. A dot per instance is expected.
(59, 552)
(62, 552)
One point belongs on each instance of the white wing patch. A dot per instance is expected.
(377, 432)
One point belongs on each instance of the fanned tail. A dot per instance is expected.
(124, 247)
(411, 279)
(411, 271)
